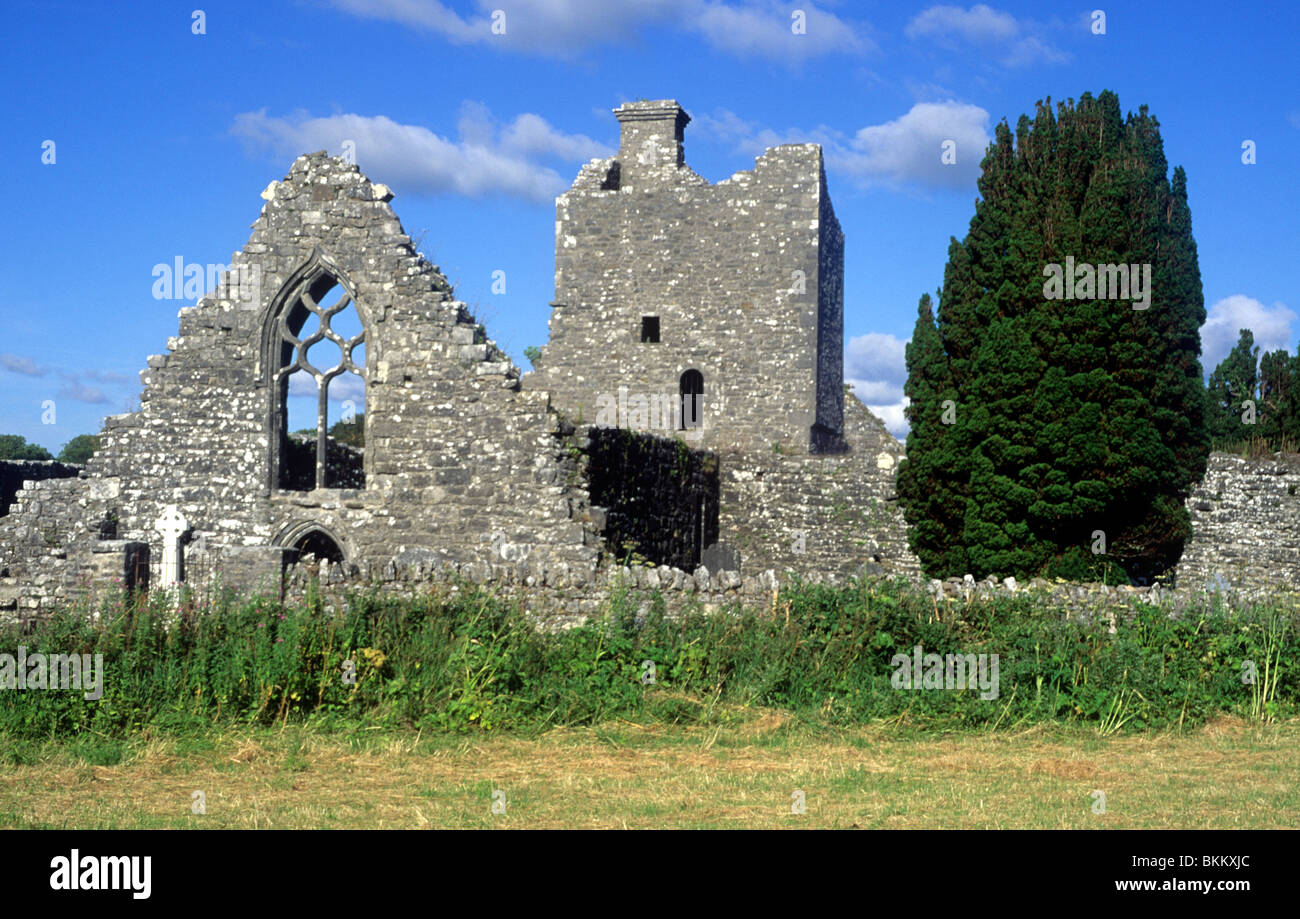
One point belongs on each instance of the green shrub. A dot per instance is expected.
(472, 662)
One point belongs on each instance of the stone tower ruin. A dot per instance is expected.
(708, 311)
(714, 313)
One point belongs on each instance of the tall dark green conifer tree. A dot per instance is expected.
(931, 477)
(1073, 414)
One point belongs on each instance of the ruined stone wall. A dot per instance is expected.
(44, 540)
(460, 465)
(470, 472)
(828, 431)
(1245, 524)
(659, 499)
(746, 281)
(14, 472)
(732, 271)
(833, 514)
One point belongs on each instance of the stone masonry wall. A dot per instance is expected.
(460, 465)
(659, 498)
(835, 513)
(14, 472)
(732, 271)
(828, 432)
(1245, 524)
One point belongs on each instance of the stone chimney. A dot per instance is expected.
(650, 135)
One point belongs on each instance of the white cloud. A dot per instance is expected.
(422, 14)
(302, 385)
(907, 149)
(724, 125)
(876, 366)
(748, 137)
(1018, 43)
(531, 135)
(1030, 50)
(910, 148)
(892, 416)
(78, 392)
(486, 160)
(548, 27)
(24, 365)
(765, 30)
(562, 28)
(344, 386)
(349, 386)
(876, 392)
(877, 355)
(1271, 325)
(106, 376)
(980, 23)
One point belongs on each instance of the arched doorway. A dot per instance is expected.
(691, 387)
(308, 537)
(321, 545)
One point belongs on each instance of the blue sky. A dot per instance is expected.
(163, 139)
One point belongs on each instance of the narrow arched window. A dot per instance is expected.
(691, 388)
(321, 386)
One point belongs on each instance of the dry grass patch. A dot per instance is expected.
(619, 774)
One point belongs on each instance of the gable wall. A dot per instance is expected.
(461, 466)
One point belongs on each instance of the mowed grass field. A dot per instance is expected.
(743, 773)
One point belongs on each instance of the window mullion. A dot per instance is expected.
(322, 428)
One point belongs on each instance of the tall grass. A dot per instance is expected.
(473, 662)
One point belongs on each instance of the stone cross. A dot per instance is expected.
(172, 525)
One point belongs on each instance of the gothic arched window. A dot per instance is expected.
(318, 342)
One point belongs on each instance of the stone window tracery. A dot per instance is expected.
(311, 332)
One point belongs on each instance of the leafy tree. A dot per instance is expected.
(79, 450)
(350, 432)
(14, 447)
(1231, 384)
(1279, 399)
(532, 352)
(1072, 414)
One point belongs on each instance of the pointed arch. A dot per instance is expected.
(303, 465)
(317, 538)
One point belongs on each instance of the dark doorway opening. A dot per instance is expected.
(321, 546)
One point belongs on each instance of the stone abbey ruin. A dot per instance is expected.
(685, 429)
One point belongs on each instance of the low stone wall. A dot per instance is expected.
(14, 472)
(553, 600)
(560, 604)
(1085, 601)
